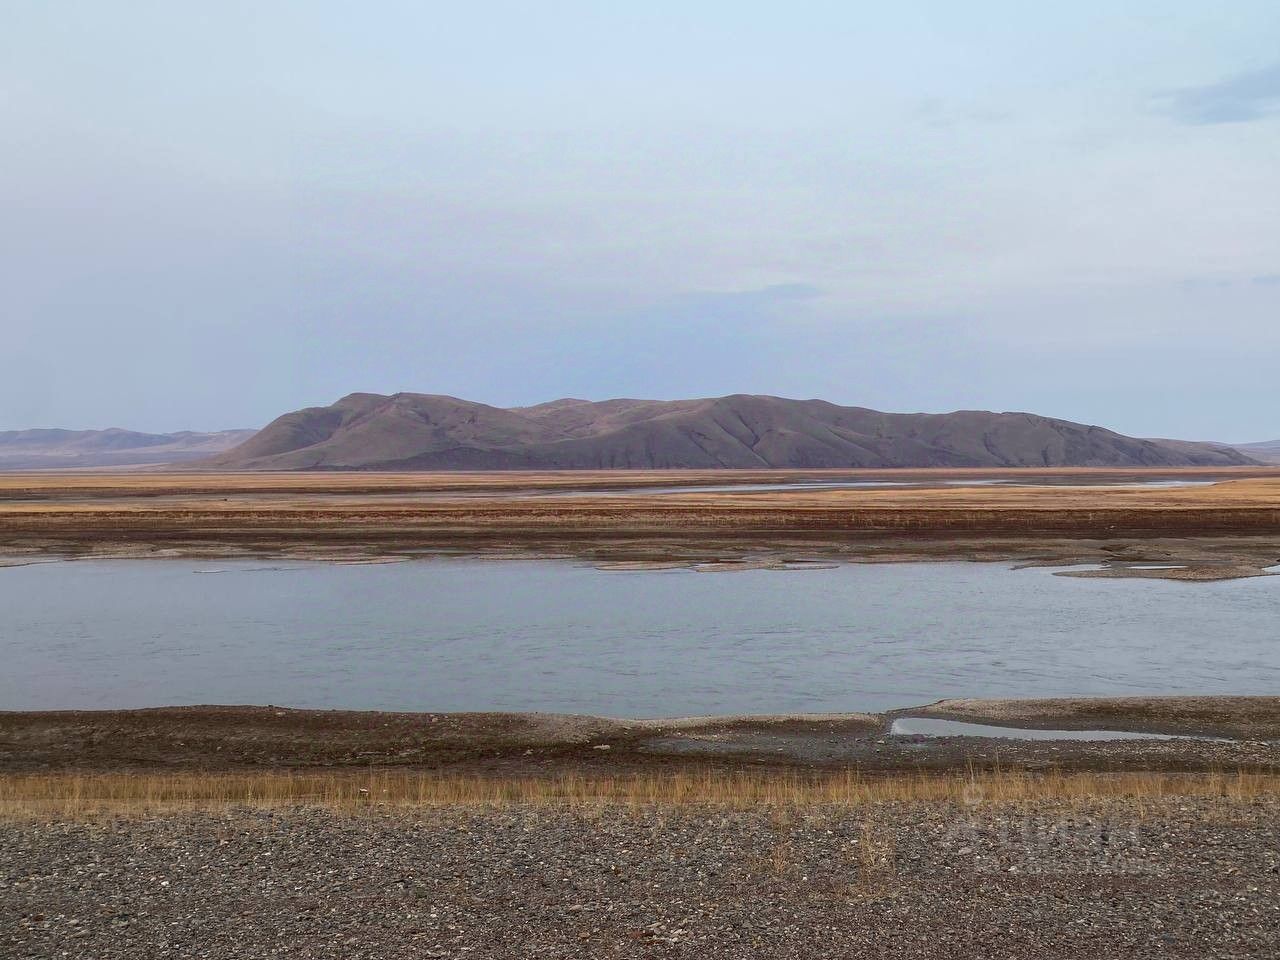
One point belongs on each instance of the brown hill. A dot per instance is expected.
(409, 431)
(60, 449)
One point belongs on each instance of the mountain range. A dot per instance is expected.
(411, 431)
(59, 449)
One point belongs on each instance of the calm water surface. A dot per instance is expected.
(478, 635)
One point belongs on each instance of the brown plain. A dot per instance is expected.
(608, 513)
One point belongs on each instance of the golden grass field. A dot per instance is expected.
(94, 485)
(442, 501)
(74, 795)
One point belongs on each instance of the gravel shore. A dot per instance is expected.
(1088, 879)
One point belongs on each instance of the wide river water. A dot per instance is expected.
(552, 635)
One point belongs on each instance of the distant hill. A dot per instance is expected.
(1268, 451)
(409, 431)
(57, 449)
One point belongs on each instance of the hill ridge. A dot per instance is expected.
(434, 431)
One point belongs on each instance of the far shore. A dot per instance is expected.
(1225, 529)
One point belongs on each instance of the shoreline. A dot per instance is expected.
(1207, 733)
(1193, 560)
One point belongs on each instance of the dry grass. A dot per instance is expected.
(77, 795)
(399, 514)
(471, 497)
(876, 858)
(170, 482)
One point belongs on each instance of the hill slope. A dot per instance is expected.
(421, 431)
(55, 449)
(1268, 451)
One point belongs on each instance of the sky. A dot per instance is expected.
(211, 214)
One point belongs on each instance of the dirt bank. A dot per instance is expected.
(231, 738)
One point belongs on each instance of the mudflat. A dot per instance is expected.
(1226, 526)
(1206, 733)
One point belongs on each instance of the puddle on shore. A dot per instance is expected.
(932, 727)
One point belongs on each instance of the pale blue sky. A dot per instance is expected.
(213, 213)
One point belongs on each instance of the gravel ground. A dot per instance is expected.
(1175, 878)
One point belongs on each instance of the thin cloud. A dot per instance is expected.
(1244, 98)
(778, 293)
